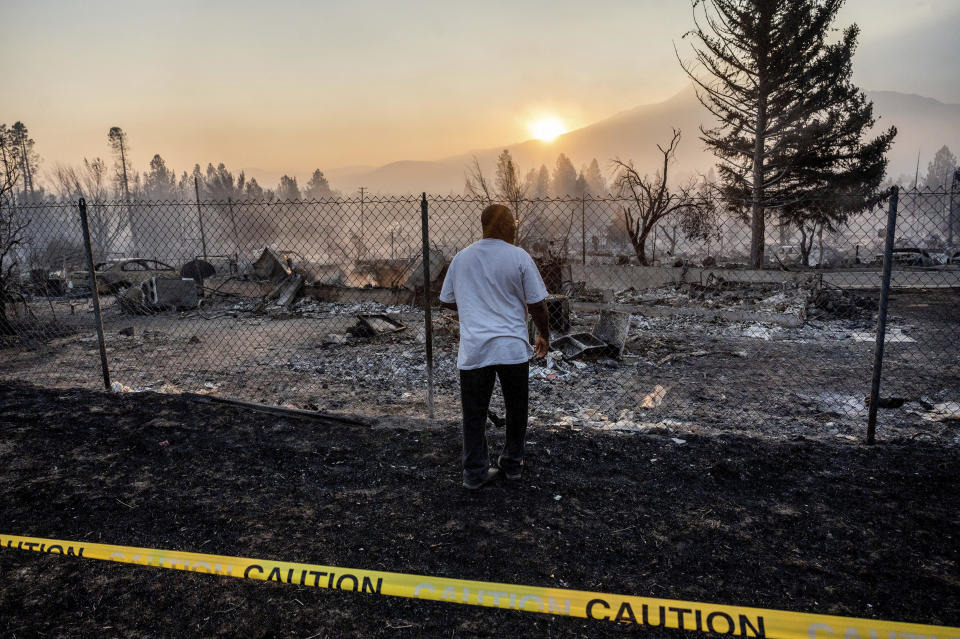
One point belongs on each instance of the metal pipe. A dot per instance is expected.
(82, 205)
(882, 315)
(951, 213)
(236, 236)
(427, 318)
(583, 228)
(203, 237)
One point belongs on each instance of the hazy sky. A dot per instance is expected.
(290, 85)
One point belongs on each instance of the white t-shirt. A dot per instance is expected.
(492, 282)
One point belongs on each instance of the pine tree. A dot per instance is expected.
(288, 189)
(20, 148)
(595, 183)
(118, 144)
(253, 191)
(564, 180)
(940, 170)
(541, 187)
(790, 120)
(317, 187)
(159, 183)
(580, 186)
(219, 183)
(13, 229)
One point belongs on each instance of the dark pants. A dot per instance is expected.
(476, 387)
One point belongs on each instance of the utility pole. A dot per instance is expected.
(583, 229)
(952, 212)
(362, 224)
(203, 237)
(916, 176)
(236, 236)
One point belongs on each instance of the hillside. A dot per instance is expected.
(923, 123)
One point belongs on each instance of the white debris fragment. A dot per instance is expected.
(893, 335)
(678, 441)
(655, 398)
(117, 387)
(758, 331)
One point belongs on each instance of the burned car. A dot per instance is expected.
(117, 275)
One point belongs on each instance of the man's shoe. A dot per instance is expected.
(475, 484)
(513, 474)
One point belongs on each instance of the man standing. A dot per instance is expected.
(492, 284)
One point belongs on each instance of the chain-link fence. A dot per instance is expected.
(659, 321)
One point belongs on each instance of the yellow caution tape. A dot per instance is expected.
(646, 611)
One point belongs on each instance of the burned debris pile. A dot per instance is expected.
(280, 285)
(286, 284)
(834, 303)
(804, 298)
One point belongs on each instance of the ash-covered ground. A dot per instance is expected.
(680, 374)
(823, 526)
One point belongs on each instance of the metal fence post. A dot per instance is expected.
(236, 236)
(882, 315)
(583, 229)
(82, 205)
(427, 318)
(203, 237)
(951, 212)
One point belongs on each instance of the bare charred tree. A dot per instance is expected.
(477, 183)
(108, 222)
(507, 188)
(13, 227)
(512, 189)
(653, 199)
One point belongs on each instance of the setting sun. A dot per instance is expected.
(547, 129)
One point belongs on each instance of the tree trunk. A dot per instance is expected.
(5, 327)
(640, 246)
(820, 241)
(757, 223)
(805, 247)
(23, 168)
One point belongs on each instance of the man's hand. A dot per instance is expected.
(541, 347)
(541, 320)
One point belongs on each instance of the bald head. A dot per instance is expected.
(498, 223)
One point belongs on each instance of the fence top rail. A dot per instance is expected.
(608, 198)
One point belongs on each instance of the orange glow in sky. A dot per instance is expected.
(547, 129)
(298, 85)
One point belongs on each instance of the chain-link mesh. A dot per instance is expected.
(921, 366)
(47, 334)
(657, 322)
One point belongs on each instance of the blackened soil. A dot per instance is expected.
(800, 525)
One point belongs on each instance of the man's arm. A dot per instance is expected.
(541, 320)
(451, 305)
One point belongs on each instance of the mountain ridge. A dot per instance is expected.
(923, 124)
